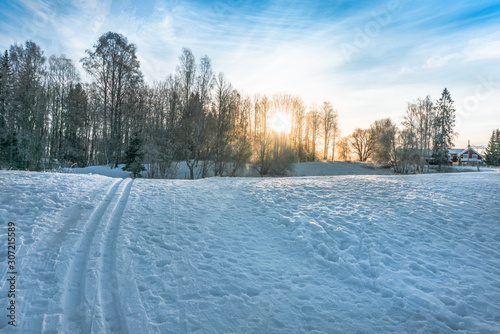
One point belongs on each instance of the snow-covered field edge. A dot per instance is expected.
(330, 168)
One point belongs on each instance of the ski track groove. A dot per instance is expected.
(74, 301)
(107, 286)
(47, 267)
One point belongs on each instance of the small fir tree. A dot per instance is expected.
(493, 150)
(134, 157)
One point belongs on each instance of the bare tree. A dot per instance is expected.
(262, 139)
(298, 128)
(223, 113)
(192, 111)
(62, 77)
(414, 140)
(114, 66)
(313, 122)
(344, 148)
(362, 142)
(329, 124)
(384, 132)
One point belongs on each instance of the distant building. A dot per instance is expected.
(454, 154)
(470, 156)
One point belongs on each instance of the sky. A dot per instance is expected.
(369, 58)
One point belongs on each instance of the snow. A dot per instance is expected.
(338, 168)
(98, 170)
(300, 169)
(331, 254)
(318, 168)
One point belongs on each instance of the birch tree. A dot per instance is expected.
(329, 124)
(114, 66)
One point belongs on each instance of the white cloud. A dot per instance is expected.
(475, 49)
(441, 60)
(487, 47)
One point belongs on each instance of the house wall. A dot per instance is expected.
(467, 157)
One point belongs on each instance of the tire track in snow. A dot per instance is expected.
(75, 304)
(107, 288)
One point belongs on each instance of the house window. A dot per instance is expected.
(465, 156)
(474, 156)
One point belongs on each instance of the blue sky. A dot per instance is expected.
(369, 58)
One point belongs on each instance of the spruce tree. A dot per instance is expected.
(133, 157)
(74, 122)
(493, 150)
(443, 129)
(7, 133)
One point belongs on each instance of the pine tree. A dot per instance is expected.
(134, 157)
(443, 127)
(493, 150)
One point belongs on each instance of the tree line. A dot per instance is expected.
(424, 137)
(49, 118)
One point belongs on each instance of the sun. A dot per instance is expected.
(281, 122)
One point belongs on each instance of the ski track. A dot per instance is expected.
(108, 292)
(46, 272)
(109, 295)
(46, 254)
(90, 297)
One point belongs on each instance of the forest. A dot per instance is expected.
(49, 118)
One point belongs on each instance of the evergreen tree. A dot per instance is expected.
(443, 127)
(7, 132)
(75, 121)
(30, 105)
(493, 150)
(134, 157)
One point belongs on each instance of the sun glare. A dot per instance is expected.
(281, 122)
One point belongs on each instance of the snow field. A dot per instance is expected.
(341, 254)
(181, 171)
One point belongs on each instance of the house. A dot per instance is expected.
(454, 154)
(470, 156)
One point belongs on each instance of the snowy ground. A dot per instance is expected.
(300, 169)
(318, 168)
(341, 254)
